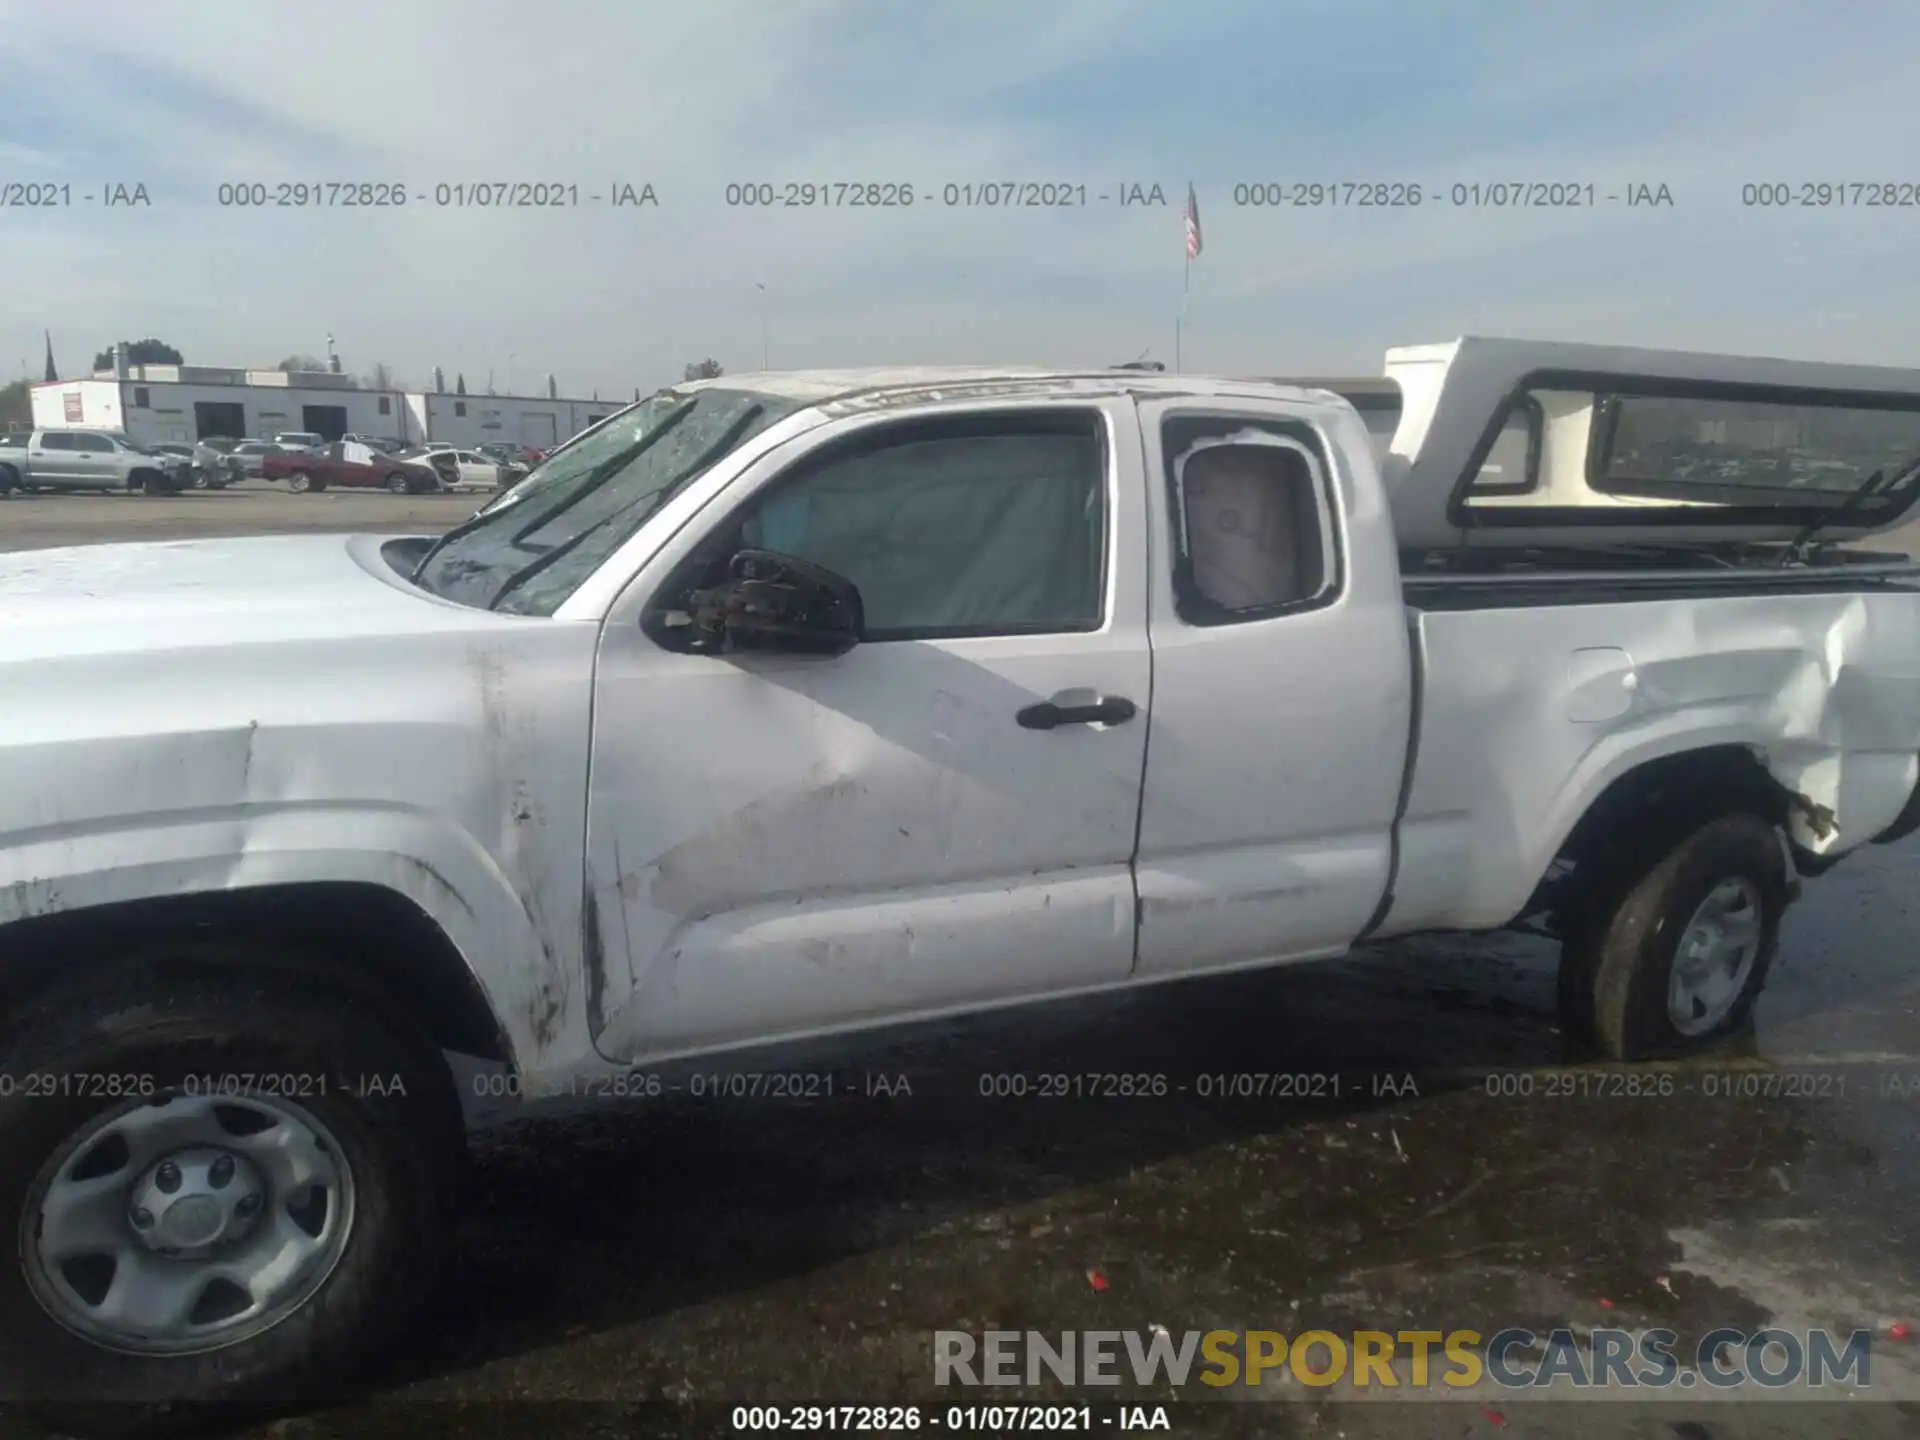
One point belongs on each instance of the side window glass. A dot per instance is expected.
(1255, 532)
(981, 533)
(56, 441)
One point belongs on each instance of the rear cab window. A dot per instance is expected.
(1253, 518)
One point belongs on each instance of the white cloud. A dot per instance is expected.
(690, 97)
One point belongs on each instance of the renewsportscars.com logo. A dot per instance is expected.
(1514, 1358)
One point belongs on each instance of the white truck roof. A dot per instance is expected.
(1506, 443)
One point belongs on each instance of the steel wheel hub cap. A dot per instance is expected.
(1715, 956)
(196, 1201)
(186, 1223)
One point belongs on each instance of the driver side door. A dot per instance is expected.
(785, 844)
(52, 461)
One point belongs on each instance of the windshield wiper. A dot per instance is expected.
(728, 439)
(1875, 484)
(605, 471)
(597, 477)
(465, 527)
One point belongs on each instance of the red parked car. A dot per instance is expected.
(329, 466)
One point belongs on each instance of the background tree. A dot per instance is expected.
(141, 352)
(300, 362)
(16, 405)
(381, 377)
(459, 384)
(708, 369)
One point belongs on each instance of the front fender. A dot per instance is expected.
(439, 867)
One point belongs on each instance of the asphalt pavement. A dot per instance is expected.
(253, 507)
(1411, 1147)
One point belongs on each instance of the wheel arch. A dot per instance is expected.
(1657, 800)
(368, 933)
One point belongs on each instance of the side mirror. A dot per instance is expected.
(771, 601)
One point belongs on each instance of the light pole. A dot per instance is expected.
(765, 363)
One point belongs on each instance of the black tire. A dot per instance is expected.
(398, 483)
(1618, 955)
(192, 1011)
(299, 482)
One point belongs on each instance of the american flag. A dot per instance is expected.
(1193, 224)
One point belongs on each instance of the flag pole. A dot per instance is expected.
(1192, 248)
(1180, 323)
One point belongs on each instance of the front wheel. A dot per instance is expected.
(299, 482)
(1675, 963)
(397, 483)
(225, 1187)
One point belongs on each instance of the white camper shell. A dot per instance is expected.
(1503, 445)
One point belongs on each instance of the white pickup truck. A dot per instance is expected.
(785, 705)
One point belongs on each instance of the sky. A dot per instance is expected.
(942, 97)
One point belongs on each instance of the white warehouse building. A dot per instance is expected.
(153, 403)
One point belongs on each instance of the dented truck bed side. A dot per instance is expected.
(1528, 715)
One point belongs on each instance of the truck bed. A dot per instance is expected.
(1536, 691)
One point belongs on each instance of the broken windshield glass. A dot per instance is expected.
(535, 545)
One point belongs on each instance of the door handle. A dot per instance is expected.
(1112, 710)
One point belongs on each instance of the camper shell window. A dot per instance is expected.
(1748, 450)
(1608, 448)
(1511, 465)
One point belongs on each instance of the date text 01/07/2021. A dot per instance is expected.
(954, 1420)
(1462, 195)
(953, 195)
(131, 1085)
(444, 195)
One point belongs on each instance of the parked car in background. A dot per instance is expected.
(512, 460)
(349, 466)
(215, 465)
(252, 453)
(459, 467)
(103, 460)
(300, 440)
(385, 444)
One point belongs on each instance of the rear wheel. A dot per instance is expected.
(398, 484)
(299, 482)
(1672, 955)
(237, 1203)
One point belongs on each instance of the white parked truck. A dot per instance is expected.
(786, 705)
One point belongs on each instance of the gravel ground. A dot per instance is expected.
(641, 1268)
